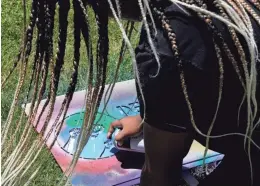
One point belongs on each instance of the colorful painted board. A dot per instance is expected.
(98, 165)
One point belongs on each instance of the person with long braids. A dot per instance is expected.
(202, 91)
(196, 69)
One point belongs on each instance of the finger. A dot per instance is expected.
(112, 127)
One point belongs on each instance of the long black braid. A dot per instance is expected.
(102, 55)
(111, 86)
(38, 59)
(82, 24)
(94, 95)
(53, 91)
(39, 56)
(74, 76)
(64, 7)
(48, 47)
(86, 33)
(48, 58)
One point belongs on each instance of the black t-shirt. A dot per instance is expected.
(166, 107)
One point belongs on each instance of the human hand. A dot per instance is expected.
(130, 127)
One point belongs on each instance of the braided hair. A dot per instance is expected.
(42, 15)
(19, 159)
(219, 45)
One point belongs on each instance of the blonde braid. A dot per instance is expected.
(256, 3)
(250, 11)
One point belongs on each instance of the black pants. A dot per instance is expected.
(166, 150)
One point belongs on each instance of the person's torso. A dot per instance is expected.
(207, 91)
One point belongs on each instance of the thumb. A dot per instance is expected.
(112, 128)
(120, 136)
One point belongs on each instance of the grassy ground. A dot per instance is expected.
(12, 26)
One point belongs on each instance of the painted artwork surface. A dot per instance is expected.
(98, 165)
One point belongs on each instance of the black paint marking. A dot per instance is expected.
(131, 107)
(120, 107)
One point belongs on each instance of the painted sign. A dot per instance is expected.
(98, 165)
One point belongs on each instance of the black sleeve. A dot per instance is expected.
(163, 95)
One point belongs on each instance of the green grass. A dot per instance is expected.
(12, 27)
